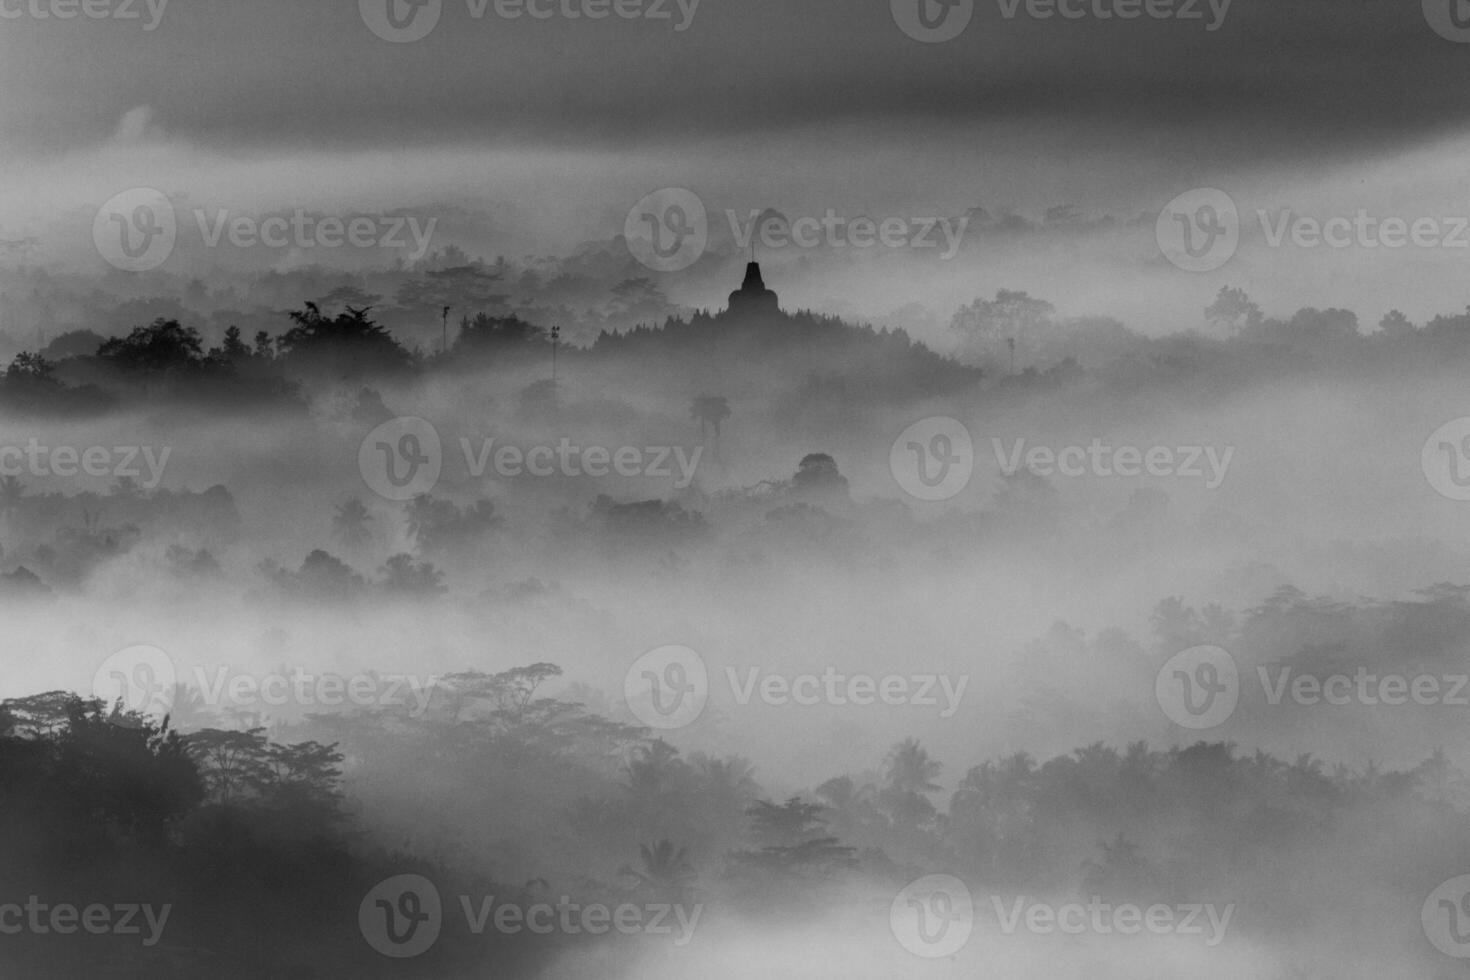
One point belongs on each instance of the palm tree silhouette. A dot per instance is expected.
(665, 871)
(910, 769)
(710, 411)
(909, 776)
(350, 524)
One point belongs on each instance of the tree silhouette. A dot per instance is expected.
(232, 764)
(405, 575)
(162, 347)
(352, 524)
(349, 345)
(664, 872)
(710, 412)
(1234, 311)
(443, 527)
(12, 494)
(909, 776)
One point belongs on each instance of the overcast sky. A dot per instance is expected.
(1316, 76)
(561, 123)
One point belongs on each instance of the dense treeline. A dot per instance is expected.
(1018, 341)
(252, 835)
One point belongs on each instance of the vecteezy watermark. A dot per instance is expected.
(933, 917)
(937, 21)
(837, 232)
(932, 21)
(1445, 917)
(840, 690)
(95, 461)
(1449, 19)
(224, 687)
(1202, 687)
(404, 916)
(138, 229)
(1209, 12)
(1101, 460)
(669, 230)
(406, 21)
(123, 10)
(144, 680)
(1199, 231)
(668, 688)
(306, 231)
(1364, 687)
(572, 918)
(933, 459)
(569, 459)
(39, 918)
(1104, 919)
(137, 680)
(404, 458)
(1363, 230)
(1445, 459)
(401, 459)
(1199, 688)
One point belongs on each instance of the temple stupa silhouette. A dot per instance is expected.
(753, 297)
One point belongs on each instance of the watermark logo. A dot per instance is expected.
(39, 918)
(668, 231)
(933, 21)
(667, 688)
(841, 690)
(402, 916)
(1104, 919)
(401, 21)
(1450, 19)
(305, 231)
(405, 21)
(136, 230)
(1206, 463)
(573, 918)
(1199, 688)
(138, 679)
(1199, 231)
(401, 459)
(834, 231)
(933, 459)
(1365, 688)
(571, 460)
(91, 9)
(66, 462)
(322, 691)
(1181, 10)
(1446, 917)
(933, 917)
(1363, 230)
(1445, 459)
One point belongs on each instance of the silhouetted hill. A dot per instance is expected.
(715, 346)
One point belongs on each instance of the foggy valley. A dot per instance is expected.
(626, 489)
